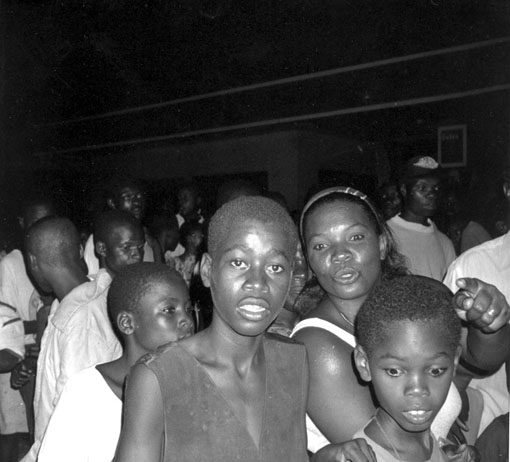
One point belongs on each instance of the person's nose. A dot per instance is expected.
(417, 386)
(341, 253)
(256, 279)
(185, 322)
(432, 193)
(137, 253)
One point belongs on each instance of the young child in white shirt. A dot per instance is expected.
(149, 306)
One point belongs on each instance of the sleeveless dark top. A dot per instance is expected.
(200, 424)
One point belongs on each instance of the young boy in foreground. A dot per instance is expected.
(408, 347)
(148, 304)
(230, 392)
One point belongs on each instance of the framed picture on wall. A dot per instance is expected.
(452, 146)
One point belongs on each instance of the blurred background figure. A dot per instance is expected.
(389, 200)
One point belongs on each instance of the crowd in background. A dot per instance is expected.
(424, 222)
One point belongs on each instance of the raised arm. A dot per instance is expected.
(141, 437)
(338, 403)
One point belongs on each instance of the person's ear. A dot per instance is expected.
(111, 203)
(82, 251)
(32, 260)
(361, 361)
(126, 322)
(21, 222)
(383, 246)
(456, 359)
(403, 191)
(100, 248)
(506, 190)
(205, 269)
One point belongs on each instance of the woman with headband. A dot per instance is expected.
(349, 248)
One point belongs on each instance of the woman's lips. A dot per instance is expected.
(346, 276)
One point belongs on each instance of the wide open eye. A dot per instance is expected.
(357, 237)
(319, 246)
(394, 372)
(437, 371)
(238, 263)
(275, 269)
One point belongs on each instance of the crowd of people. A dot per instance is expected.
(358, 329)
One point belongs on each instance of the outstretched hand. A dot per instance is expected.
(481, 304)
(357, 450)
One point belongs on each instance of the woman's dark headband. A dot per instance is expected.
(335, 190)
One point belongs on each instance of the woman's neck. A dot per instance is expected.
(344, 310)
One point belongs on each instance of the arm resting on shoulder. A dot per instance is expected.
(141, 437)
(338, 403)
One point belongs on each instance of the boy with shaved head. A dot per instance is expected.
(79, 334)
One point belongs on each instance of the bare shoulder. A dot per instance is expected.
(325, 350)
(141, 376)
(318, 338)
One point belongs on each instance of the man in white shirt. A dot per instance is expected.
(79, 333)
(18, 294)
(54, 261)
(490, 262)
(428, 251)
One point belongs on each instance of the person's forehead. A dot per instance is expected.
(171, 286)
(332, 211)
(404, 334)
(128, 190)
(427, 180)
(252, 231)
(125, 231)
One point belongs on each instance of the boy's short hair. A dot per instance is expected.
(250, 208)
(54, 239)
(406, 298)
(106, 221)
(132, 283)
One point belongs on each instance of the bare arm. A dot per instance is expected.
(141, 437)
(337, 403)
